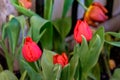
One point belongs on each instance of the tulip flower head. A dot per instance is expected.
(25, 3)
(30, 51)
(82, 28)
(60, 59)
(96, 13)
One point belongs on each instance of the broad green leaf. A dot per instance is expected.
(73, 65)
(66, 7)
(13, 31)
(57, 72)
(92, 54)
(63, 26)
(82, 51)
(31, 72)
(22, 21)
(7, 75)
(23, 75)
(100, 31)
(78, 74)
(4, 31)
(88, 2)
(58, 44)
(48, 9)
(113, 43)
(117, 35)
(47, 64)
(9, 58)
(116, 74)
(42, 30)
(95, 73)
(21, 9)
(65, 75)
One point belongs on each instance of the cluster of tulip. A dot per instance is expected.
(95, 13)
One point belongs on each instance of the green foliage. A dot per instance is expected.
(48, 67)
(21, 9)
(51, 34)
(41, 30)
(89, 54)
(23, 75)
(116, 74)
(88, 2)
(74, 62)
(30, 70)
(113, 42)
(66, 7)
(7, 75)
(63, 26)
(65, 75)
(1, 69)
(13, 31)
(48, 9)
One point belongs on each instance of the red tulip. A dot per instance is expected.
(60, 59)
(30, 51)
(26, 3)
(82, 28)
(95, 13)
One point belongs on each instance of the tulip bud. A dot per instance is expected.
(82, 28)
(112, 64)
(95, 14)
(30, 51)
(25, 3)
(60, 59)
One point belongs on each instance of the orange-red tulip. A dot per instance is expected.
(26, 3)
(82, 28)
(60, 59)
(30, 51)
(95, 13)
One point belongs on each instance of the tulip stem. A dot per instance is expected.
(36, 66)
(82, 5)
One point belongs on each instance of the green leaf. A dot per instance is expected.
(42, 30)
(100, 31)
(82, 51)
(13, 30)
(95, 73)
(78, 74)
(92, 54)
(7, 75)
(21, 9)
(22, 21)
(88, 2)
(9, 58)
(1, 69)
(117, 35)
(66, 7)
(47, 64)
(116, 74)
(63, 26)
(48, 9)
(73, 65)
(65, 75)
(31, 72)
(58, 44)
(57, 72)
(4, 31)
(23, 75)
(113, 43)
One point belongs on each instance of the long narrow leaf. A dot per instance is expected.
(48, 9)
